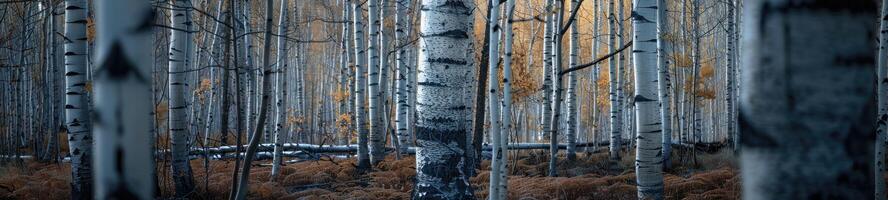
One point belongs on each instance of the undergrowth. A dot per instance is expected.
(590, 176)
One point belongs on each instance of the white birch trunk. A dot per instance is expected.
(403, 72)
(615, 137)
(571, 133)
(178, 86)
(729, 76)
(557, 88)
(123, 164)
(76, 104)
(808, 63)
(446, 71)
(663, 82)
(280, 77)
(596, 30)
(882, 94)
(376, 136)
(547, 66)
(507, 101)
(360, 86)
(648, 156)
(214, 64)
(493, 102)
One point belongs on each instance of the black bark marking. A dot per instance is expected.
(118, 161)
(147, 23)
(640, 98)
(118, 67)
(455, 34)
(858, 60)
(752, 137)
(454, 4)
(431, 84)
(639, 18)
(436, 134)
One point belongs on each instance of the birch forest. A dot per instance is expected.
(443, 99)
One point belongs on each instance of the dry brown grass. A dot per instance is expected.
(591, 176)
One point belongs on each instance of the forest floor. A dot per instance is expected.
(590, 176)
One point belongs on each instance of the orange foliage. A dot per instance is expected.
(706, 70)
(160, 111)
(340, 95)
(591, 176)
(90, 29)
(88, 87)
(202, 89)
(682, 59)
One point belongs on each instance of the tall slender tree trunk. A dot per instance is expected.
(254, 76)
(231, 46)
(214, 64)
(648, 156)
(547, 68)
(124, 164)
(280, 77)
(377, 136)
(57, 124)
(446, 69)
(730, 76)
(596, 46)
(403, 72)
(571, 133)
(263, 106)
(808, 63)
(663, 82)
(695, 71)
(477, 137)
(76, 104)
(615, 136)
(343, 87)
(493, 103)
(621, 72)
(507, 101)
(882, 94)
(360, 87)
(178, 86)
(556, 96)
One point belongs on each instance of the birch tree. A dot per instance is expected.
(76, 105)
(547, 66)
(242, 187)
(882, 93)
(507, 101)
(446, 69)
(808, 63)
(403, 72)
(124, 163)
(648, 156)
(180, 43)
(615, 137)
(571, 132)
(493, 99)
(280, 77)
(730, 54)
(663, 82)
(377, 135)
(360, 86)
(557, 87)
(596, 71)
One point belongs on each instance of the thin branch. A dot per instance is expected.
(573, 17)
(605, 57)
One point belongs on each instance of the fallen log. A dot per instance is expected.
(314, 148)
